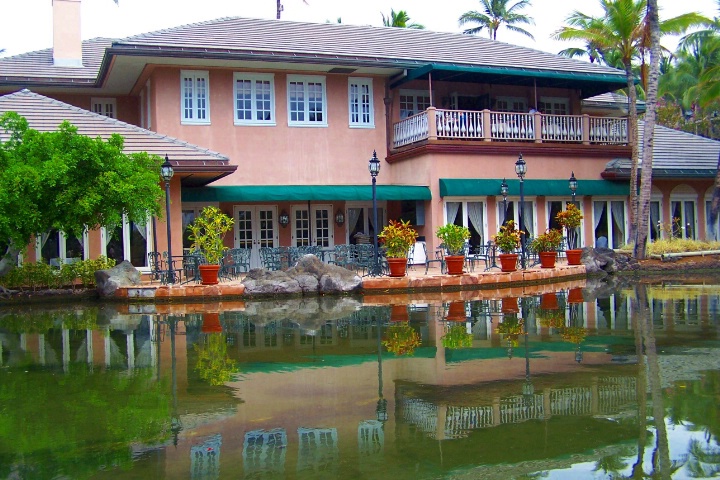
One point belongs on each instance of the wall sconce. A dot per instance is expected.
(339, 218)
(284, 219)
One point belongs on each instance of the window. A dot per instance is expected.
(609, 223)
(413, 102)
(312, 230)
(56, 248)
(470, 214)
(195, 93)
(683, 212)
(104, 106)
(129, 241)
(511, 104)
(254, 99)
(554, 105)
(306, 101)
(712, 230)
(360, 96)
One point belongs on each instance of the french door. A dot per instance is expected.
(255, 227)
(313, 227)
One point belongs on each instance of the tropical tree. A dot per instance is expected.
(66, 181)
(279, 8)
(623, 30)
(401, 19)
(495, 14)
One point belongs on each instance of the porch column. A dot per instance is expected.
(89, 345)
(538, 127)
(586, 129)
(432, 123)
(486, 125)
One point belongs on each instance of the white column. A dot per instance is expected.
(65, 348)
(89, 346)
(130, 349)
(41, 348)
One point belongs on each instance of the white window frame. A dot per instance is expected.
(62, 247)
(608, 205)
(415, 95)
(522, 101)
(464, 206)
(565, 201)
(255, 79)
(355, 99)
(149, 242)
(682, 198)
(499, 207)
(312, 219)
(305, 80)
(554, 100)
(105, 106)
(195, 76)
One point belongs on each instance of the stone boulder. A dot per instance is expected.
(121, 275)
(606, 261)
(308, 276)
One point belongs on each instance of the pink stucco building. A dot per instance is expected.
(268, 119)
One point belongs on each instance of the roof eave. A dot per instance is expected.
(660, 173)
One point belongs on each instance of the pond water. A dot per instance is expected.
(554, 385)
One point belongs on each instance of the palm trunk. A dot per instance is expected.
(715, 205)
(634, 156)
(643, 211)
(279, 9)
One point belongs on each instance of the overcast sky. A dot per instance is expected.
(26, 25)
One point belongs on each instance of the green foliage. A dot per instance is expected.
(40, 275)
(399, 19)
(548, 241)
(496, 13)
(213, 363)
(208, 231)
(457, 337)
(508, 238)
(66, 181)
(401, 339)
(453, 238)
(398, 237)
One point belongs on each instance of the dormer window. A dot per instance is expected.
(104, 106)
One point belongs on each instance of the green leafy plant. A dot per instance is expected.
(548, 241)
(213, 362)
(401, 339)
(457, 337)
(570, 219)
(208, 231)
(508, 238)
(453, 238)
(40, 275)
(398, 237)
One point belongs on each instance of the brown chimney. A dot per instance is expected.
(67, 40)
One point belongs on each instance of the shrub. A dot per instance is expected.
(398, 237)
(508, 238)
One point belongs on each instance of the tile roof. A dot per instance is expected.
(38, 65)
(675, 154)
(295, 42)
(46, 114)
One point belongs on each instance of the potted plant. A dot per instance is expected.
(457, 337)
(401, 339)
(546, 245)
(507, 241)
(570, 219)
(398, 237)
(453, 239)
(207, 233)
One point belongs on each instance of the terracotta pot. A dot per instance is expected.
(549, 301)
(211, 322)
(573, 256)
(547, 259)
(455, 264)
(456, 312)
(575, 295)
(398, 266)
(209, 274)
(508, 262)
(399, 313)
(510, 305)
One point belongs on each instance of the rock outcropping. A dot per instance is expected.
(606, 261)
(309, 276)
(121, 275)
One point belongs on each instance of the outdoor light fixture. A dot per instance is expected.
(283, 219)
(374, 168)
(573, 185)
(167, 172)
(339, 218)
(521, 170)
(504, 193)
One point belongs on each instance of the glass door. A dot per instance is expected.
(255, 227)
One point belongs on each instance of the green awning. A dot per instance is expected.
(297, 193)
(480, 187)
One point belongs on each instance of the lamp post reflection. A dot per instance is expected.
(175, 423)
(381, 408)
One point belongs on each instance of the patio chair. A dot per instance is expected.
(155, 264)
(439, 258)
(239, 261)
(341, 256)
(271, 258)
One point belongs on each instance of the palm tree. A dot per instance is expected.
(623, 30)
(496, 13)
(400, 20)
(279, 7)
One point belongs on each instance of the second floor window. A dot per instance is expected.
(307, 105)
(104, 106)
(195, 93)
(254, 99)
(554, 105)
(412, 103)
(360, 96)
(511, 104)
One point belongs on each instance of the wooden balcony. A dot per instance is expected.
(488, 126)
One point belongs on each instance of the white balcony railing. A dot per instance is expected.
(490, 126)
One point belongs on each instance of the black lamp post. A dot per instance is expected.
(572, 183)
(167, 172)
(504, 193)
(521, 170)
(374, 167)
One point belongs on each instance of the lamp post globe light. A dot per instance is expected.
(374, 168)
(167, 172)
(521, 170)
(504, 193)
(572, 183)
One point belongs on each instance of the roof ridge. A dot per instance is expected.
(88, 42)
(678, 131)
(178, 27)
(26, 92)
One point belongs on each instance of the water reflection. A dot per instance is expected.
(328, 388)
